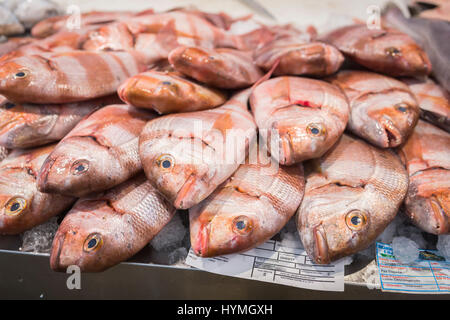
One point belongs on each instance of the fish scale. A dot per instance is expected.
(336, 194)
(135, 214)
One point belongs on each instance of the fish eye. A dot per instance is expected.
(167, 83)
(80, 167)
(402, 107)
(9, 105)
(393, 52)
(356, 220)
(242, 225)
(316, 130)
(165, 162)
(93, 242)
(15, 206)
(21, 74)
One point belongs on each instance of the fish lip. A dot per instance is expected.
(286, 149)
(201, 245)
(183, 191)
(43, 174)
(321, 252)
(55, 258)
(392, 136)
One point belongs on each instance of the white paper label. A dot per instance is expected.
(273, 262)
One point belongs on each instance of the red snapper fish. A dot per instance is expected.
(352, 193)
(187, 155)
(22, 205)
(110, 228)
(167, 92)
(251, 207)
(32, 125)
(384, 50)
(222, 68)
(383, 110)
(66, 77)
(427, 158)
(299, 118)
(98, 154)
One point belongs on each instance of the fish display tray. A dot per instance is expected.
(28, 276)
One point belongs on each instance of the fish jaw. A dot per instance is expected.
(96, 168)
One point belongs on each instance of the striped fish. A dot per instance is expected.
(52, 25)
(168, 93)
(296, 57)
(66, 77)
(299, 118)
(221, 68)
(103, 231)
(22, 205)
(383, 110)
(99, 153)
(426, 155)
(247, 210)
(384, 50)
(32, 125)
(187, 155)
(352, 193)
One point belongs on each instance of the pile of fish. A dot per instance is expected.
(133, 118)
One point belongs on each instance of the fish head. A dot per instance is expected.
(17, 193)
(86, 238)
(400, 54)
(23, 126)
(77, 167)
(227, 226)
(308, 135)
(176, 167)
(334, 226)
(391, 118)
(15, 75)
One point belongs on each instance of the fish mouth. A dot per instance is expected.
(55, 258)
(42, 184)
(180, 200)
(200, 246)
(441, 213)
(321, 252)
(286, 150)
(392, 136)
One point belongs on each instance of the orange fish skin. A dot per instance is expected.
(221, 68)
(99, 153)
(168, 93)
(52, 25)
(383, 110)
(187, 155)
(299, 58)
(22, 205)
(426, 155)
(344, 210)
(110, 228)
(66, 76)
(434, 101)
(308, 115)
(31, 125)
(247, 210)
(386, 50)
